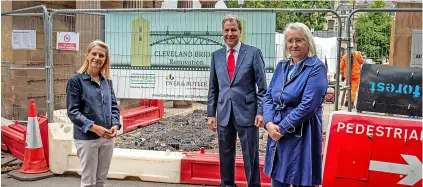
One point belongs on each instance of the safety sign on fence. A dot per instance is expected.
(68, 41)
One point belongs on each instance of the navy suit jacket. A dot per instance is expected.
(244, 94)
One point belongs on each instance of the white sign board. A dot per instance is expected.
(23, 39)
(68, 41)
(163, 84)
(416, 49)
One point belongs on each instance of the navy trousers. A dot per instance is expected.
(249, 137)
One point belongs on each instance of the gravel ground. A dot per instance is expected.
(179, 133)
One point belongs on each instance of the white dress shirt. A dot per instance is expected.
(236, 51)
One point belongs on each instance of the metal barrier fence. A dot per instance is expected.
(172, 57)
(134, 78)
(24, 62)
(381, 52)
(109, 25)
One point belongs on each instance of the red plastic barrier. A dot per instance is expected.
(18, 127)
(160, 105)
(139, 117)
(149, 112)
(153, 102)
(3, 145)
(15, 140)
(145, 102)
(43, 123)
(14, 136)
(203, 168)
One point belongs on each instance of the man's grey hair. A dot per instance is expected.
(232, 18)
(305, 33)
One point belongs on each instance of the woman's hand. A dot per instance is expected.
(100, 131)
(273, 131)
(114, 130)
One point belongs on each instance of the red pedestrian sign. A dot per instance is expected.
(370, 151)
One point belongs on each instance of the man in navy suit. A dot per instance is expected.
(236, 90)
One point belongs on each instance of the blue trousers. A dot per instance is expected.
(249, 137)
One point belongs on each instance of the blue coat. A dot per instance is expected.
(296, 157)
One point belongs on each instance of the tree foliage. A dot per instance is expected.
(372, 31)
(312, 20)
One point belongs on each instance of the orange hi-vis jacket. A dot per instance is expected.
(356, 65)
(355, 74)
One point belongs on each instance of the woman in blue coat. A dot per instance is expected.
(293, 113)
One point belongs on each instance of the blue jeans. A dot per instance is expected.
(276, 183)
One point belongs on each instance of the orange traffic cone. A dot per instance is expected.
(34, 159)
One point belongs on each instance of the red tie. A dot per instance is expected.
(231, 63)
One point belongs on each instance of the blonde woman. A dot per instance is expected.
(92, 108)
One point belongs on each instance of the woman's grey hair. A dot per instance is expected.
(232, 18)
(305, 33)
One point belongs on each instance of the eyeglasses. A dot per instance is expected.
(297, 41)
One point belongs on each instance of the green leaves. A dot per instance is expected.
(312, 20)
(372, 31)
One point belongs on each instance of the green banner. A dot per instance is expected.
(181, 40)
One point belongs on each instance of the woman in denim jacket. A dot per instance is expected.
(292, 112)
(92, 108)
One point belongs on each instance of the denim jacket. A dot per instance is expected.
(89, 103)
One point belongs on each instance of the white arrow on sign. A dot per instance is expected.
(413, 169)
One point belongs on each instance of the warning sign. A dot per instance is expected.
(67, 41)
(371, 151)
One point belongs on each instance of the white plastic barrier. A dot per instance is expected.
(157, 166)
(61, 116)
(60, 146)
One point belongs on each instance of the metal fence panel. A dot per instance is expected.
(381, 52)
(24, 62)
(165, 54)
